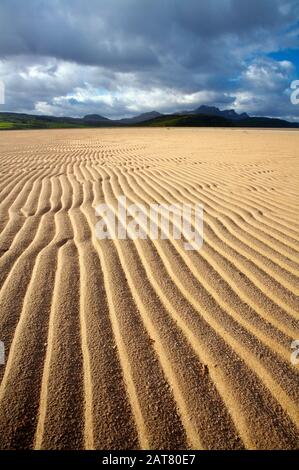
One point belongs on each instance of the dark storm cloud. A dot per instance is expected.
(133, 34)
(188, 46)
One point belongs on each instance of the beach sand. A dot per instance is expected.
(129, 344)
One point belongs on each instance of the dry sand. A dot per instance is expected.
(142, 344)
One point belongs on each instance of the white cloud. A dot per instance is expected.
(268, 74)
(264, 88)
(55, 87)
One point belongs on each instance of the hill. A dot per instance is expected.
(204, 116)
(174, 120)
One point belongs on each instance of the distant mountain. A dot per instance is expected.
(32, 121)
(231, 114)
(95, 118)
(141, 117)
(213, 111)
(203, 120)
(204, 116)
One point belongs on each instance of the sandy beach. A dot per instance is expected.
(141, 344)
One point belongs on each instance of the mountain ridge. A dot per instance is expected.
(209, 116)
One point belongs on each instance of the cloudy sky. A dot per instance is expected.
(123, 57)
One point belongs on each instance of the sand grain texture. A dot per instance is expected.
(129, 344)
